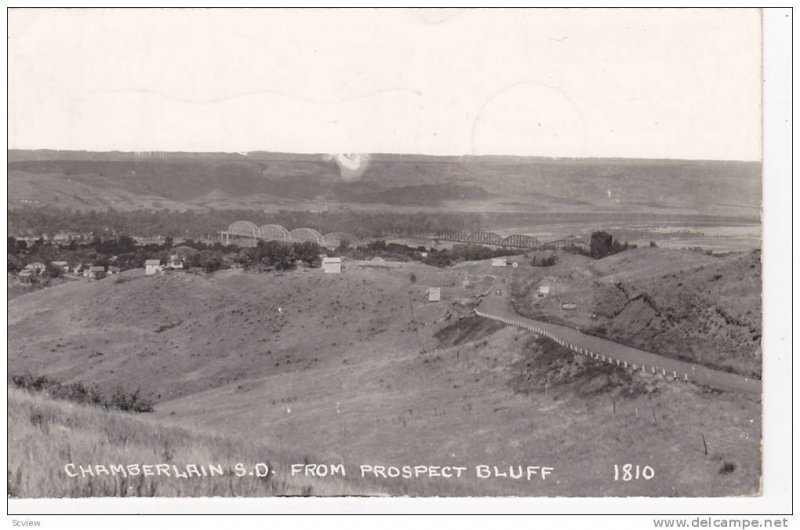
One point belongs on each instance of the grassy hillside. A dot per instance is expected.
(45, 435)
(359, 368)
(201, 331)
(217, 180)
(684, 304)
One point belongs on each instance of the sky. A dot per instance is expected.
(639, 83)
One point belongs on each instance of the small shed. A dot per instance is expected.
(499, 262)
(569, 306)
(95, 273)
(25, 277)
(332, 265)
(434, 294)
(152, 266)
(544, 290)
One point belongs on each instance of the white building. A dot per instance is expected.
(152, 266)
(63, 265)
(95, 273)
(434, 294)
(332, 265)
(175, 262)
(544, 290)
(36, 267)
(499, 262)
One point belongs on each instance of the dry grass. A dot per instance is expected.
(45, 435)
(354, 370)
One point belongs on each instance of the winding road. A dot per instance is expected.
(496, 305)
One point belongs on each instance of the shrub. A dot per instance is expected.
(547, 261)
(129, 402)
(80, 393)
(29, 382)
(51, 271)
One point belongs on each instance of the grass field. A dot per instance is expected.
(47, 435)
(355, 369)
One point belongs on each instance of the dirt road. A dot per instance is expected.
(496, 305)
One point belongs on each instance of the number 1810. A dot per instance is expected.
(628, 472)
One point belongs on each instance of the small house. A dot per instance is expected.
(113, 269)
(63, 265)
(434, 294)
(78, 269)
(175, 262)
(95, 272)
(152, 266)
(569, 306)
(36, 267)
(499, 262)
(544, 290)
(25, 277)
(331, 265)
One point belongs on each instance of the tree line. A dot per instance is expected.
(49, 221)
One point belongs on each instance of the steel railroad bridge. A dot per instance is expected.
(248, 234)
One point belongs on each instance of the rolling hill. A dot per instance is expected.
(125, 181)
(359, 368)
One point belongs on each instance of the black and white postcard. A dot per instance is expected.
(511, 253)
